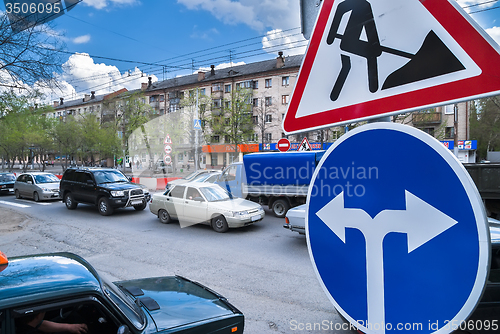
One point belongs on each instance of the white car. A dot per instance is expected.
(195, 202)
(37, 185)
(295, 219)
(190, 177)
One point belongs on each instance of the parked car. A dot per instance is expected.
(37, 185)
(7, 181)
(190, 177)
(107, 188)
(295, 219)
(194, 202)
(207, 177)
(68, 289)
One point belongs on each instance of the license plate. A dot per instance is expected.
(136, 202)
(254, 218)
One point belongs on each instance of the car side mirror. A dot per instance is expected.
(29, 182)
(198, 199)
(123, 329)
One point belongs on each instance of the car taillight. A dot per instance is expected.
(287, 221)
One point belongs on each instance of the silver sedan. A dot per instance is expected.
(37, 185)
(195, 202)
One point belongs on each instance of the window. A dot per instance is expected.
(255, 84)
(429, 131)
(227, 89)
(217, 87)
(255, 102)
(227, 104)
(255, 119)
(268, 136)
(213, 159)
(217, 103)
(253, 137)
(162, 98)
(285, 99)
(285, 81)
(269, 83)
(269, 101)
(227, 139)
(449, 109)
(248, 84)
(215, 139)
(173, 107)
(152, 99)
(177, 192)
(227, 121)
(269, 118)
(202, 91)
(449, 132)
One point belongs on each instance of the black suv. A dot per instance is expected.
(105, 187)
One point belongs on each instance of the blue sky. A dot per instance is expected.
(167, 38)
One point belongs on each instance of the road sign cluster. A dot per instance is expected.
(168, 149)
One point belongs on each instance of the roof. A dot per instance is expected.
(45, 276)
(230, 72)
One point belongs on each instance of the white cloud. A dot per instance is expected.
(257, 14)
(82, 75)
(222, 66)
(81, 39)
(494, 33)
(100, 4)
(276, 40)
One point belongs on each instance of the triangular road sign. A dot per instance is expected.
(168, 140)
(304, 146)
(373, 58)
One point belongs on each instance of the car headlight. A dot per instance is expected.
(47, 190)
(118, 193)
(241, 213)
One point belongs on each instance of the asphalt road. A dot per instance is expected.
(264, 270)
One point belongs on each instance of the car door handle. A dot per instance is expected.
(186, 202)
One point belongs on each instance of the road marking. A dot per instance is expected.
(15, 204)
(33, 202)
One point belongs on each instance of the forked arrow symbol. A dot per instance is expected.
(420, 221)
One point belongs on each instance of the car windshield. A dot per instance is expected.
(7, 177)
(201, 177)
(46, 178)
(192, 175)
(214, 194)
(109, 176)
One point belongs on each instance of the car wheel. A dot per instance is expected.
(219, 224)
(164, 216)
(70, 201)
(140, 207)
(104, 208)
(17, 194)
(36, 197)
(280, 208)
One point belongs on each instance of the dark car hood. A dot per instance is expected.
(120, 186)
(180, 301)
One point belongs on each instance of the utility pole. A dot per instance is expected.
(196, 115)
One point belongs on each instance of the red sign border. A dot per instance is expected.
(283, 139)
(455, 23)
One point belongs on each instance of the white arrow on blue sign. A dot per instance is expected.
(398, 237)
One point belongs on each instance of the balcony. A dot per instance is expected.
(426, 118)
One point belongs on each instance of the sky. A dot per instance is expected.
(112, 44)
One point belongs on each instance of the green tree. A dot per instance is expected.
(232, 121)
(68, 136)
(24, 131)
(485, 125)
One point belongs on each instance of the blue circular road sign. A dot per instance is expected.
(396, 231)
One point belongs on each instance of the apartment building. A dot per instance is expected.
(271, 83)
